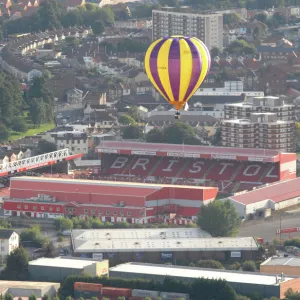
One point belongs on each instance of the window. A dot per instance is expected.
(115, 213)
(108, 213)
(58, 209)
(85, 211)
(34, 208)
(100, 213)
(26, 206)
(129, 214)
(42, 208)
(19, 206)
(50, 208)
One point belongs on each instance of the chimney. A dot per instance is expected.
(277, 279)
(282, 277)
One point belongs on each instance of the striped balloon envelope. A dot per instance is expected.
(177, 66)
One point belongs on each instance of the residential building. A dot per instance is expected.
(207, 27)
(74, 96)
(57, 269)
(243, 110)
(9, 241)
(133, 24)
(244, 283)
(261, 130)
(117, 90)
(76, 141)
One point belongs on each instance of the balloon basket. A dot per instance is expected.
(177, 115)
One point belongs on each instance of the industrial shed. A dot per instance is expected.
(160, 245)
(289, 266)
(28, 288)
(241, 282)
(275, 196)
(57, 269)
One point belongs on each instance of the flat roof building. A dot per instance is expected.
(159, 245)
(57, 269)
(242, 282)
(28, 288)
(289, 266)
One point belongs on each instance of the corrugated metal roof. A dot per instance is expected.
(277, 192)
(188, 149)
(189, 272)
(282, 261)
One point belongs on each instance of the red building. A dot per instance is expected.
(110, 201)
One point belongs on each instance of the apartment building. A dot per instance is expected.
(207, 27)
(260, 130)
(243, 110)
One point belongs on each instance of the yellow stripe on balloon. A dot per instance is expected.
(204, 69)
(147, 66)
(186, 67)
(163, 67)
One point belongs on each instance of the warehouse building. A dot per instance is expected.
(276, 265)
(28, 288)
(160, 245)
(242, 282)
(57, 269)
(274, 196)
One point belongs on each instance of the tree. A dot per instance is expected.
(32, 297)
(95, 298)
(262, 17)
(46, 147)
(231, 18)
(19, 124)
(133, 132)
(8, 296)
(155, 135)
(171, 3)
(249, 266)
(98, 27)
(57, 298)
(46, 297)
(32, 234)
(219, 218)
(16, 265)
(4, 133)
(210, 264)
(241, 47)
(49, 249)
(126, 120)
(178, 133)
(215, 52)
(63, 224)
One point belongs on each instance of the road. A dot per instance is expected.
(267, 229)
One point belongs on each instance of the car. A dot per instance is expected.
(39, 250)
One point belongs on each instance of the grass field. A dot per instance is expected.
(33, 131)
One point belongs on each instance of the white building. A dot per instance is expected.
(9, 241)
(275, 196)
(76, 141)
(207, 27)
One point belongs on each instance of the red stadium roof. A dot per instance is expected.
(103, 187)
(137, 148)
(277, 192)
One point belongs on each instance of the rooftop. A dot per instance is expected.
(61, 263)
(186, 150)
(5, 285)
(6, 233)
(90, 245)
(277, 192)
(189, 272)
(125, 234)
(282, 261)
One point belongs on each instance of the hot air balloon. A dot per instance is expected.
(177, 66)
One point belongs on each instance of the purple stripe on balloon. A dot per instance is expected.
(174, 68)
(196, 68)
(154, 67)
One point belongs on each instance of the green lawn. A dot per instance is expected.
(33, 131)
